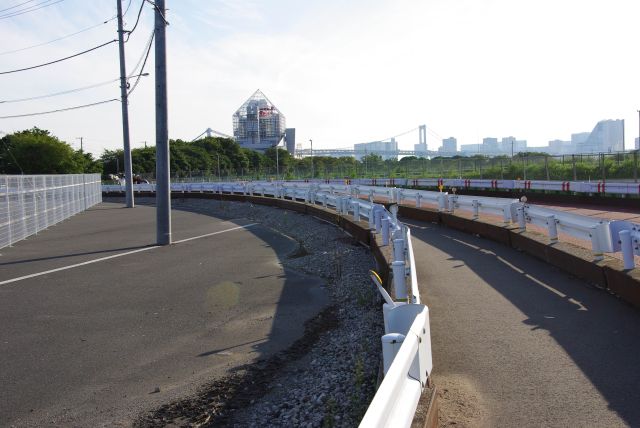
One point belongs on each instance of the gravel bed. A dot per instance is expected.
(328, 377)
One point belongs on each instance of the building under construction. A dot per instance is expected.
(259, 125)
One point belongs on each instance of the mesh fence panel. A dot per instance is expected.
(31, 203)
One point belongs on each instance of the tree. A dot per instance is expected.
(36, 151)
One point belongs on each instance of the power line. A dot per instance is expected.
(31, 9)
(59, 60)
(18, 5)
(55, 94)
(142, 56)
(59, 110)
(143, 64)
(137, 20)
(59, 38)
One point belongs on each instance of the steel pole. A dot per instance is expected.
(128, 176)
(163, 195)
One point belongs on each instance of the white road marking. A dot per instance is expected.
(101, 259)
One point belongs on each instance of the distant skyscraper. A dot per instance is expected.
(607, 136)
(258, 124)
(386, 149)
(449, 145)
(490, 145)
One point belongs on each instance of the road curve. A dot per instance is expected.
(517, 342)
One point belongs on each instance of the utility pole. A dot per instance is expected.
(80, 138)
(312, 172)
(218, 155)
(277, 162)
(163, 195)
(125, 111)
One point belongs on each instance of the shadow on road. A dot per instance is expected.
(600, 333)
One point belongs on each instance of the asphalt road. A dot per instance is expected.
(519, 343)
(98, 343)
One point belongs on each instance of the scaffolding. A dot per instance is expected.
(258, 124)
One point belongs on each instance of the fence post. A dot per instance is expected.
(476, 209)
(418, 200)
(552, 228)
(627, 249)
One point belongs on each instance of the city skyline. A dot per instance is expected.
(467, 69)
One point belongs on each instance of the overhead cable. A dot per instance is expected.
(129, 32)
(143, 64)
(59, 110)
(59, 38)
(33, 8)
(59, 60)
(18, 5)
(70, 91)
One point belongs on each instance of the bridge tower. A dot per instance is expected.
(421, 147)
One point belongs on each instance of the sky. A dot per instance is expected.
(342, 72)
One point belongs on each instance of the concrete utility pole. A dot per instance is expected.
(81, 148)
(163, 195)
(128, 176)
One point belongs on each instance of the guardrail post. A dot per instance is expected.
(452, 203)
(393, 209)
(377, 216)
(324, 200)
(398, 250)
(441, 203)
(390, 197)
(476, 209)
(553, 228)
(595, 244)
(399, 280)
(372, 222)
(506, 214)
(371, 195)
(418, 200)
(356, 211)
(626, 245)
(391, 344)
(400, 196)
(385, 231)
(522, 221)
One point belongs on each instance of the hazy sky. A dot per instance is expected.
(342, 72)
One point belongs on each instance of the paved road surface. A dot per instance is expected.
(89, 345)
(519, 343)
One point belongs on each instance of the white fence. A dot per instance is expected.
(31, 203)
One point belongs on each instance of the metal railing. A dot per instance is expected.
(31, 203)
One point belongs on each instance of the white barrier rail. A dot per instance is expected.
(602, 234)
(31, 203)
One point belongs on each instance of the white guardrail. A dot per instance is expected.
(406, 345)
(31, 203)
(605, 236)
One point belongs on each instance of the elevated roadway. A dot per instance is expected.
(99, 324)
